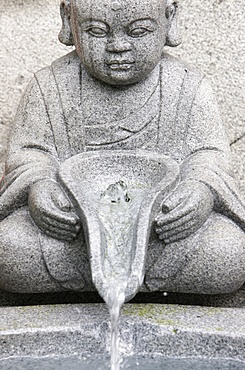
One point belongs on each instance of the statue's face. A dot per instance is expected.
(119, 41)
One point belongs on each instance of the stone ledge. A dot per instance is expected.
(172, 330)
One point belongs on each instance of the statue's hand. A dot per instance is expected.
(52, 210)
(184, 211)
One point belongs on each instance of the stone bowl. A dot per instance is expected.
(88, 175)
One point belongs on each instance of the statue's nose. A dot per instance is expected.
(118, 45)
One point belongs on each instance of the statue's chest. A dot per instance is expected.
(97, 122)
(134, 129)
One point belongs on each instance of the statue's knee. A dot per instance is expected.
(220, 258)
(21, 263)
(26, 266)
(211, 261)
(12, 252)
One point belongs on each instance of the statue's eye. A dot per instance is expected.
(139, 31)
(97, 32)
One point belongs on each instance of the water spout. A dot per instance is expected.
(118, 195)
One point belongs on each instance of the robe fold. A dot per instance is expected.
(180, 119)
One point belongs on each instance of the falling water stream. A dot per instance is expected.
(118, 211)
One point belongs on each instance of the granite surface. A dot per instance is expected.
(212, 41)
(83, 329)
(190, 230)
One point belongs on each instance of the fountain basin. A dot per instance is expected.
(83, 329)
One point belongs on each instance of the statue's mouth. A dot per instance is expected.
(120, 65)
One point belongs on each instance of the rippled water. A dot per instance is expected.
(130, 363)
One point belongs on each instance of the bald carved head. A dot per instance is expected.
(119, 41)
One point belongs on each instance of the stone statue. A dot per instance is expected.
(118, 90)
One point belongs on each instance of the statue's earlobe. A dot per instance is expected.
(65, 35)
(173, 37)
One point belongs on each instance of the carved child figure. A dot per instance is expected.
(120, 90)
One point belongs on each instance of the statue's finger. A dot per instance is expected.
(175, 237)
(68, 218)
(172, 201)
(177, 214)
(59, 234)
(61, 224)
(180, 236)
(178, 223)
(161, 236)
(183, 229)
(158, 230)
(62, 201)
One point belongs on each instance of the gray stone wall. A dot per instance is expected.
(213, 41)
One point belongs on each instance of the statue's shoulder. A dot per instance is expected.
(65, 63)
(61, 66)
(176, 67)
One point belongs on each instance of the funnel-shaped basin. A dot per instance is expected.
(118, 195)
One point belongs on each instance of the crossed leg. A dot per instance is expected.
(211, 261)
(31, 262)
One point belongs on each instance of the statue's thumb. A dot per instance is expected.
(171, 202)
(63, 202)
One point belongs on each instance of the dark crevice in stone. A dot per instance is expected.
(237, 139)
(236, 299)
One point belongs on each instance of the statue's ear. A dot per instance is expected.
(65, 35)
(173, 37)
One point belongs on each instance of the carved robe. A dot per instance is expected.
(180, 119)
(183, 123)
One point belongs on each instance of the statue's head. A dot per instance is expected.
(119, 41)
